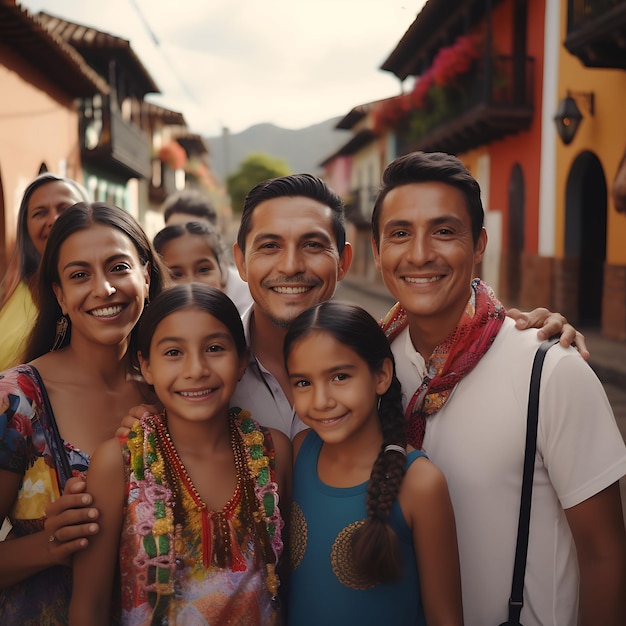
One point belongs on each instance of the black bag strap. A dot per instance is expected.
(516, 601)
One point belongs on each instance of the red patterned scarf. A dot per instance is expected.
(455, 357)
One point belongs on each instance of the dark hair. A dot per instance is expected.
(192, 202)
(82, 216)
(375, 545)
(190, 296)
(427, 167)
(25, 259)
(202, 229)
(293, 186)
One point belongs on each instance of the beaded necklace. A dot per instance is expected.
(156, 461)
(215, 529)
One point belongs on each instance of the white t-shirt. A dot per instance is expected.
(478, 441)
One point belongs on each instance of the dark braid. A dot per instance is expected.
(375, 551)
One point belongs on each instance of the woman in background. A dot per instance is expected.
(43, 201)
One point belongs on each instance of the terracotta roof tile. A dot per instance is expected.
(55, 59)
(97, 47)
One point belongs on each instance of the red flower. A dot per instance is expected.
(173, 154)
(420, 91)
(30, 389)
(22, 424)
(450, 63)
(455, 60)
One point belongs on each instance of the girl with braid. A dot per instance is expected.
(372, 537)
(188, 500)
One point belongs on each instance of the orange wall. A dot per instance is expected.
(38, 124)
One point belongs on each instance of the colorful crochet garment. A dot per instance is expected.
(179, 561)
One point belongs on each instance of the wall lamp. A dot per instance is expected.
(568, 115)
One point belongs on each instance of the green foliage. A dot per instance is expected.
(252, 170)
(444, 103)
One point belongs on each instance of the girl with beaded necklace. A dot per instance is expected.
(190, 503)
(373, 538)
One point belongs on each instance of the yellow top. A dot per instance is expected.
(17, 319)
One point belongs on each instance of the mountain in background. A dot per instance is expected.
(302, 149)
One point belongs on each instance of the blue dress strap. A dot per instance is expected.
(412, 455)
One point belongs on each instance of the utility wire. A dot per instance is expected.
(157, 43)
(145, 23)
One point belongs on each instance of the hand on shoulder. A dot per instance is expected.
(550, 324)
(134, 415)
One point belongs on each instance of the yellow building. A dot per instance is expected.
(589, 243)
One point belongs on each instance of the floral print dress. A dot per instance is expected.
(30, 445)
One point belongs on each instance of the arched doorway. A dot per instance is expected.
(517, 201)
(585, 233)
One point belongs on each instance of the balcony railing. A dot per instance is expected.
(113, 144)
(596, 32)
(494, 101)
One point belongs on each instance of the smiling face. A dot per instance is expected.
(334, 390)
(427, 254)
(291, 261)
(190, 258)
(45, 205)
(193, 365)
(102, 285)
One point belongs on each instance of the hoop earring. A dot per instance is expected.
(61, 331)
(378, 403)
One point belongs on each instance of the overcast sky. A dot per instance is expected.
(235, 63)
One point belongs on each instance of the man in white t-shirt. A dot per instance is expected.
(465, 373)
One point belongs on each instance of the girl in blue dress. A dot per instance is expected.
(373, 538)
